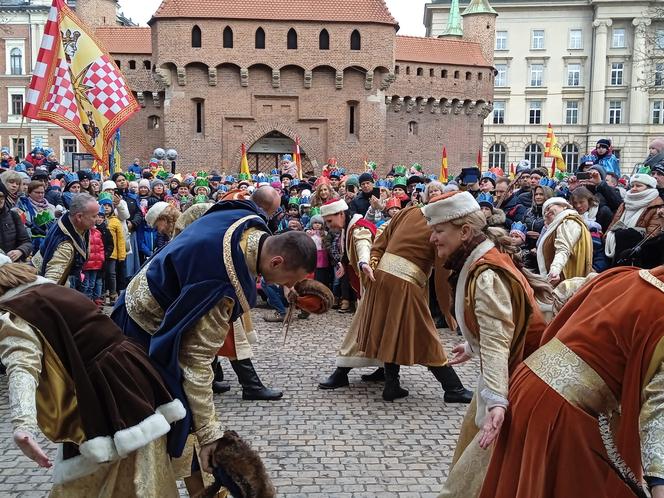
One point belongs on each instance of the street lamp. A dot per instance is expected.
(170, 154)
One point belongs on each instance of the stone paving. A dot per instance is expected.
(347, 443)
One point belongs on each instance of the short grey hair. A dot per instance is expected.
(80, 202)
(11, 176)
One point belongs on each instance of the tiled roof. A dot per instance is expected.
(439, 51)
(125, 40)
(368, 11)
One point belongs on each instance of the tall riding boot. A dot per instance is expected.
(377, 375)
(392, 389)
(252, 387)
(454, 390)
(218, 384)
(339, 378)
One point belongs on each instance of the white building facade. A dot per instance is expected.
(593, 69)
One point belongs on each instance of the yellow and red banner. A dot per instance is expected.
(479, 160)
(245, 174)
(552, 149)
(77, 86)
(298, 158)
(443, 167)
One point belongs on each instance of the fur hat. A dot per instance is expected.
(560, 201)
(648, 180)
(154, 212)
(312, 296)
(333, 206)
(450, 206)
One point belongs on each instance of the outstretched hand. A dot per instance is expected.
(366, 269)
(30, 448)
(460, 355)
(491, 428)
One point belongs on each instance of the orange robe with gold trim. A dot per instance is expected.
(606, 344)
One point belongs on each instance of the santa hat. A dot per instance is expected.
(333, 207)
(450, 206)
(155, 212)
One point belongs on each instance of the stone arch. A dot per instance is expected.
(312, 148)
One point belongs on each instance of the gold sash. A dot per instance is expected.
(403, 269)
(571, 377)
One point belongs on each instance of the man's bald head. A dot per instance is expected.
(267, 198)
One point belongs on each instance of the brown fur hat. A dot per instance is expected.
(240, 469)
(312, 296)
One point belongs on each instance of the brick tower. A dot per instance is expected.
(96, 13)
(479, 25)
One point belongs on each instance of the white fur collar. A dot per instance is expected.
(17, 290)
(460, 294)
(551, 229)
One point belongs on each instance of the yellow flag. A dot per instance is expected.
(552, 149)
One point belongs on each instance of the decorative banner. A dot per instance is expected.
(512, 171)
(298, 158)
(479, 160)
(443, 167)
(245, 174)
(77, 86)
(552, 149)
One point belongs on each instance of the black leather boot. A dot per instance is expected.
(377, 376)
(339, 378)
(252, 387)
(454, 390)
(218, 384)
(392, 389)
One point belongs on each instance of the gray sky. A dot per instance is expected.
(409, 13)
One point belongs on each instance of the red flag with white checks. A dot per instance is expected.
(76, 84)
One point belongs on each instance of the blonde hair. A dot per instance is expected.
(501, 239)
(170, 215)
(13, 275)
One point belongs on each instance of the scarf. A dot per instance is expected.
(39, 206)
(60, 232)
(459, 257)
(634, 206)
(653, 160)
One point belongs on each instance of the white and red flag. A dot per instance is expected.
(76, 84)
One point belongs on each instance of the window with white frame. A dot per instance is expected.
(68, 147)
(537, 39)
(499, 112)
(575, 39)
(571, 156)
(618, 38)
(572, 112)
(659, 39)
(15, 57)
(659, 74)
(15, 103)
(617, 70)
(501, 40)
(497, 156)
(657, 112)
(18, 148)
(536, 74)
(574, 75)
(615, 111)
(535, 112)
(501, 75)
(534, 154)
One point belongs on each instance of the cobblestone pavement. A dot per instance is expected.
(347, 443)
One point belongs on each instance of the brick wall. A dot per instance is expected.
(97, 12)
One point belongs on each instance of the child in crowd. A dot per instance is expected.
(316, 230)
(518, 233)
(115, 263)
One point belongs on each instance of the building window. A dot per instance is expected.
(443, 73)
(457, 74)
(147, 65)
(479, 76)
(18, 148)
(618, 38)
(228, 37)
(412, 128)
(572, 112)
(615, 112)
(196, 37)
(617, 73)
(534, 155)
(659, 74)
(420, 71)
(259, 42)
(324, 40)
(657, 112)
(154, 123)
(535, 112)
(501, 75)
(499, 112)
(352, 118)
(571, 156)
(397, 69)
(17, 105)
(573, 74)
(118, 63)
(407, 70)
(355, 40)
(497, 156)
(536, 74)
(659, 39)
(501, 40)
(575, 39)
(431, 73)
(291, 39)
(199, 109)
(537, 41)
(69, 145)
(132, 64)
(469, 75)
(16, 61)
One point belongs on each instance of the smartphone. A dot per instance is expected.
(376, 192)
(583, 175)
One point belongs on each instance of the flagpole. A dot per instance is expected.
(20, 133)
